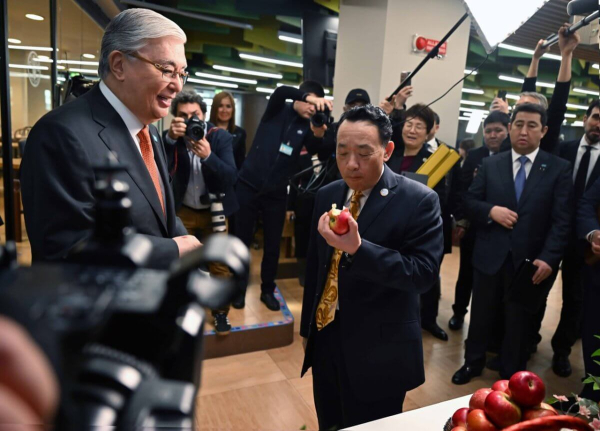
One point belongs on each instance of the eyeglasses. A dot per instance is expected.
(167, 73)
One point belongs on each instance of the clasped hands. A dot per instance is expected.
(348, 243)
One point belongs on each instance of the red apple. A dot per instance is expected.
(338, 220)
(478, 421)
(501, 385)
(527, 389)
(477, 401)
(541, 411)
(459, 418)
(458, 429)
(503, 411)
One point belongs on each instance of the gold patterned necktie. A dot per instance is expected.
(329, 298)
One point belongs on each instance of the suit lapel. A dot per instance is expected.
(535, 175)
(377, 201)
(506, 176)
(595, 173)
(117, 138)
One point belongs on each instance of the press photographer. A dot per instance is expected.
(201, 162)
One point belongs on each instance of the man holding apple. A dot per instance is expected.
(520, 202)
(360, 312)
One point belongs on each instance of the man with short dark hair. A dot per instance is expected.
(204, 174)
(495, 131)
(521, 202)
(432, 142)
(283, 131)
(362, 367)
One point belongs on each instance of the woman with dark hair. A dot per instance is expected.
(410, 154)
(222, 114)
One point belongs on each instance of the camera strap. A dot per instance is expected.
(212, 129)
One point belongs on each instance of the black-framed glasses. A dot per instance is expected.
(167, 73)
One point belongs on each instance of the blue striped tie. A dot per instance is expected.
(521, 177)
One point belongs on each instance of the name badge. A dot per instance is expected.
(286, 149)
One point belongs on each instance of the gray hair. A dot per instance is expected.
(131, 30)
(541, 99)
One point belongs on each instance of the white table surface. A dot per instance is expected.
(430, 418)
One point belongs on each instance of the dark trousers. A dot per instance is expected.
(464, 283)
(590, 326)
(430, 302)
(335, 401)
(489, 293)
(272, 206)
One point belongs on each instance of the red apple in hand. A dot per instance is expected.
(501, 385)
(501, 409)
(477, 401)
(478, 421)
(541, 411)
(459, 418)
(458, 429)
(338, 220)
(527, 388)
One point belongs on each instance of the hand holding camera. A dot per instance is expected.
(177, 128)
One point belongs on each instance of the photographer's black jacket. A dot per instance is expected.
(219, 170)
(266, 168)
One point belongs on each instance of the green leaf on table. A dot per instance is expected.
(596, 353)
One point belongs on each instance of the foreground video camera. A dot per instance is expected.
(196, 128)
(130, 338)
(322, 118)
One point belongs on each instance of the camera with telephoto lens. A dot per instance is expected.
(196, 128)
(217, 213)
(322, 118)
(129, 338)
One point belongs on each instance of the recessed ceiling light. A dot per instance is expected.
(216, 84)
(570, 116)
(31, 48)
(572, 106)
(472, 91)
(470, 102)
(89, 55)
(226, 78)
(264, 90)
(248, 72)
(27, 66)
(470, 72)
(12, 40)
(259, 58)
(34, 17)
(289, 37)
(586, 91)
(529, 51)
(88, 71)
(596, 66)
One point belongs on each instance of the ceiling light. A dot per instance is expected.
(511, 79)
(512, 96)
(264, 90)
(60, 67)
(470, 72)
(27, 75)
(472, 91)
(326, 91)
(474, 110)
(586, 91)
(11, 40)
(577, 124)
(252, 57)
(329, 97)
(226, 78)
(34, 17)
(596, 66)
(248, 72)
(544, 84)
(215, 83)
(474, 122)
(570, 116)
(89, 71)
(27, 66)
(463, 118)
(31, 48)
(470, 102)
(45, 59)
(572, 106)
(89, 56)
(289, 37)
(528, 51)
(281, 84)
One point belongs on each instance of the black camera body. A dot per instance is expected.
(322, 118)
(196, 128)
(129, 338)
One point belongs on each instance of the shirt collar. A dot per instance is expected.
(133, 124)
(531, 156)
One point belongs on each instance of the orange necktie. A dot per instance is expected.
(329, 299)
(148, 156)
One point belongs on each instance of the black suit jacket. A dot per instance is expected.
(587, 221)
(57, 180)
(379, 286)
(568, 151)
(219, 170)
(469, 168)
(544, 210)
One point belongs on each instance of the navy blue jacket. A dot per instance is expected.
(219, 170)
(544, 210)
(568, 151)
(379, 287)
(586, 222)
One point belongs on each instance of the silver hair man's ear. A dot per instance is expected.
(130, 30)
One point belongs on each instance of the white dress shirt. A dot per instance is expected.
(517, 164)
(433, 145)
(594, 154)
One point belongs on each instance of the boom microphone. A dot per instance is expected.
(582, 7)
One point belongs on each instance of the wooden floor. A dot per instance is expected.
(264, 391)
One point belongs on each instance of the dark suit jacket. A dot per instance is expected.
(587, 221)
(568, 151)
(544, 211)
(471, 165)
(57, 180)
(379, 286)
(219, 170)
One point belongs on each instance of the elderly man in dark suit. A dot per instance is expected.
(588, 230)
(142, 67)
(360, 312)
(521, 202)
